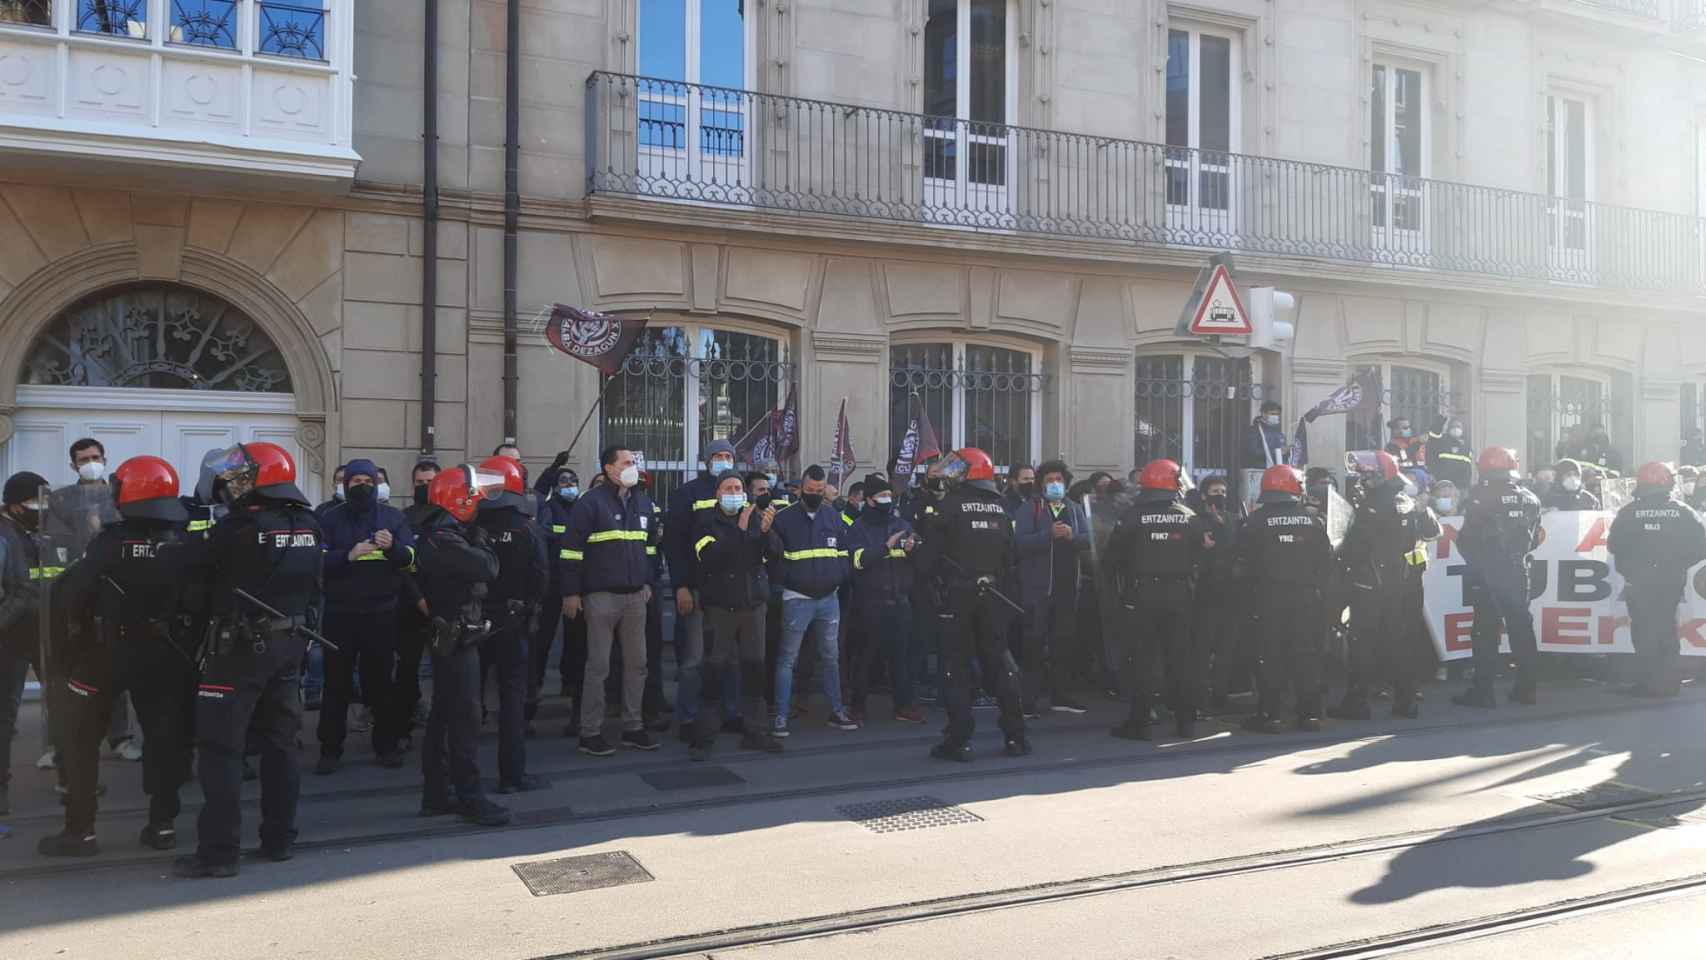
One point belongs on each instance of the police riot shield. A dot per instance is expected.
(1614, 495)
(1104, 512)
(1339, 516)
(70, 520)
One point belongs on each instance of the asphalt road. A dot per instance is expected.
(1569, 829)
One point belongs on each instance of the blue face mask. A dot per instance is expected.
(1055, 491)
(569, 493)
(732, 502)
(772, 478)
(720, 467)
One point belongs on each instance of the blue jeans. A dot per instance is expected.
(798, 614)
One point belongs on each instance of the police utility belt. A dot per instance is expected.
(450, 636)
(234, 634)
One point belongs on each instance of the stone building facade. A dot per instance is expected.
(1495, 206)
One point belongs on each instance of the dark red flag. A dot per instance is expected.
(600, 339)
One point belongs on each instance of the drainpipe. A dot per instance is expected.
(429, 236)
(512, 210)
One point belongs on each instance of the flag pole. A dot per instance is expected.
(604, 382)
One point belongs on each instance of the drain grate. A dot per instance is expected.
(1599, 796)
(547, 878)
(694, 776)
(906, 813)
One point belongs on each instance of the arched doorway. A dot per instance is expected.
(158, 368)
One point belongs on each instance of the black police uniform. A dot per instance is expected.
(1654, 541)
(571, 667)
(921, 507)
(1154, 551)
(132, 575)
(21, 572)
(412, 627)
(270, 548)
(971, 540)
(1284, 548)
(511, 603)
(1384, 555)
(1501, 527)
(453, 565)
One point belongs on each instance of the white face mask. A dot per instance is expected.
(92, 471)
(629, 476)
(384, 492)
(1457, 432)
(1572, 483)
(1688, 488)
(338, 494)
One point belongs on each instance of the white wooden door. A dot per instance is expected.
(179, 425)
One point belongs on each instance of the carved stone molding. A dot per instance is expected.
(848, 348)
(1103, 361)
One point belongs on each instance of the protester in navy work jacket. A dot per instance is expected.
(269, 548)
(368, 546)
(565, 489)
(338, 478)
(511, 604)
(693, 498)
(1449, 456)
(1053, 534)
(808, 557)
(455, 567)
(729, 543)
(1570, 492)
(881, 545)
(133, 576)
(1654, 542)
(20, 574)
(607, 574)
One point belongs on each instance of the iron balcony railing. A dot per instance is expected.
(690, 143)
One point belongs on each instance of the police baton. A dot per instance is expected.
(986, 586)
(268, 609)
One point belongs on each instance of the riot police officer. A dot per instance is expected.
(1501, 527)
(1654, 541)
(454, 563)
(264, 561)
(21, 571)
(1154, 551)
(1385, 558)
(132, 575)
(511, 604)
(1284, 548)
(971, 555)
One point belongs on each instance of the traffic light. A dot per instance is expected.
(1273, 318)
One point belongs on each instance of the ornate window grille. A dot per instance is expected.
(205, 23)
(975, 395)
(115, 18)
(157, 336)
(290, 30)
(1194, 409)
(37, 13)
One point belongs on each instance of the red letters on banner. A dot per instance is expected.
(1565, 625)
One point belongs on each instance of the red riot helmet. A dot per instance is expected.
(461, 489)
(148, 487)
(260, 467)
(968, 463)
(1283, 479)
(1375, 465)
(1162, 475)
(1656, 475)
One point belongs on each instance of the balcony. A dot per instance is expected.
(234, 90)
(692, 144)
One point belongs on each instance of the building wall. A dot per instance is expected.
(349, 267)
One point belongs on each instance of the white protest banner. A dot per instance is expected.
(1578, 597)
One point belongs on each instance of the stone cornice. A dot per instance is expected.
(1101, 360)
(1315, 370)
(1503, 381)
(848, 347)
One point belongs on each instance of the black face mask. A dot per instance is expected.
(1215, 500)
(932, 483)
(362, 496)
(1027, 489)
(812, 500)
(28, 519)
(421, 494)
(762, 502)
(879, 509)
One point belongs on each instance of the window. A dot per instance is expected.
(291, 30)
(115, 18)
(1203, 80)
(1569, 178)
(1421, 395)
(976, 395)
(160, 336)
(969, 97)
(205, 23)
(684, 386)
(1564, 408)
(1194, 408)
(692, 132)
(38, 13)
(1398, 151)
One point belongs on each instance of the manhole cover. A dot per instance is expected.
(906, 813)
(695, 776)
(547, 878)
(1599, 796)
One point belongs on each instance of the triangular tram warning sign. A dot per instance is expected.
(1220, 313)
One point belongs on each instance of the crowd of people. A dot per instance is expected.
(1029, 593)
